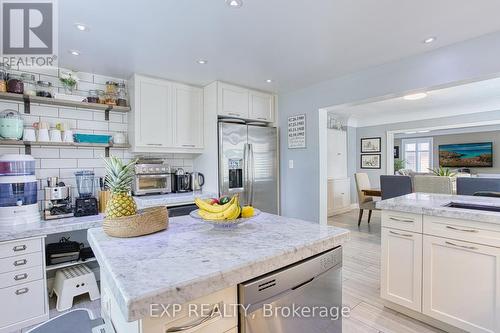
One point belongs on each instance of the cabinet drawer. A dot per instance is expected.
(469, 231)
(402, 221)
(24, 301)
(21, 262)
(21, 276)
(20, 247)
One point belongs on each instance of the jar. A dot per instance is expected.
(4, 76)
(29, 84)
(102, 96)
(15, 84)
(44, 89)
(93, 96)
(121, 95)
(11, 125)
(111, 87)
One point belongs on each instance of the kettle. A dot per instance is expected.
(197, 181)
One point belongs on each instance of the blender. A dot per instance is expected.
(86, 203)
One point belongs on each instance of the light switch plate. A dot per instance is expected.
(290, 164)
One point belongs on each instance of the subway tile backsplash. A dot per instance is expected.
(64, 162)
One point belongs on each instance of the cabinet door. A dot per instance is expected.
(154, 113)
(233, 101)
(337, 154)
(401, 271)
(22, 302)
(261, 106)
(341, 193)
(188, 116)
(461, 284)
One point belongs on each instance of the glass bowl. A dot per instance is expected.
(224, 224)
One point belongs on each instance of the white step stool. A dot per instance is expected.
(73, 281)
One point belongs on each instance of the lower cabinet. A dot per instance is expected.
(339, 196)
(461, 284)
(401, 280)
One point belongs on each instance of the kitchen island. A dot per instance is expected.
(441, 260)
(192, 261)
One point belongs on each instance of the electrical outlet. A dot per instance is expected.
(290, 164)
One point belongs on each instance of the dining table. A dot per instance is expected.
(372, 192)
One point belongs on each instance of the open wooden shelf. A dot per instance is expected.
(62, 102)
(68, 264)
(63, 144)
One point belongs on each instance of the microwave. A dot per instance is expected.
(152, 179)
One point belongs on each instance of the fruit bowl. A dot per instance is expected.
(224, 224)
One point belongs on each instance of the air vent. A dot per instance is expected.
(267, 284)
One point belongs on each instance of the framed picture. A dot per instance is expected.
(370, 161)
(371, 145)
(396, 151)
(297, 131)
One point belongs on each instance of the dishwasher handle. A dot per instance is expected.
(300, 285)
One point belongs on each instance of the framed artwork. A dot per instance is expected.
(396, 151)
(297, 131)
(371, 145)
(370, 161)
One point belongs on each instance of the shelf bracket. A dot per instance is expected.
(106, 112)
(106, 151)
(27, 109)
(27, 149)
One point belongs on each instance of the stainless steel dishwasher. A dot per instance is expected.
(303, 297)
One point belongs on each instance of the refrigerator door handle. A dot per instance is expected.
(246, 180)
(251, 172)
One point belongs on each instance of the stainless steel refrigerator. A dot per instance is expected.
(248, 164)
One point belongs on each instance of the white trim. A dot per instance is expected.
(390, 137)
(323, 166)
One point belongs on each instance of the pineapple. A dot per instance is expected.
(119, 177)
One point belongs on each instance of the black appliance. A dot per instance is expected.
(63, 251)
(181, 181)
(181, 210)
(86, 207)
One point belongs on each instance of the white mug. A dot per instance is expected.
(43, 135)
(55, 135)
(29, 134)
(68, 136)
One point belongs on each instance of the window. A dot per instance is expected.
(418, 154)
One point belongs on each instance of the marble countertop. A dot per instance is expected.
(191, 259)
(49, 227)
(171, 199)
(433, 204)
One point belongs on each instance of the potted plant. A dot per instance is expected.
(68, 81)
(399, 165)
(442, 172)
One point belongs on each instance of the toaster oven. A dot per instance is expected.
(152, 179)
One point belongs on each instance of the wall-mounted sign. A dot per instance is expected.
(297, 131)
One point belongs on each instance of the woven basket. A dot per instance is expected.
(145, 222)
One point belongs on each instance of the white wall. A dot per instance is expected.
(473, 59)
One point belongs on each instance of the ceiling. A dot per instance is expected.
(473, 97)
(295, 43)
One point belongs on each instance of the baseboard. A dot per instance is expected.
(340, 211)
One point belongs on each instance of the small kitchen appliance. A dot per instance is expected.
(197, 181)
(18, 190)
(11, 125)
(86, 203)
(181, 181)
(152, 176)
(58, 200)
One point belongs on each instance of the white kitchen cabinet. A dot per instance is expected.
(187, 116)
(461, 284)
(233, 101)
(166, 117)
(23, 288)
(401, 271)
(261, 106)
(339, 196)
(337, 154)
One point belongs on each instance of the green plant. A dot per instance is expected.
(399, 164)
(68, 81)
(443, 172)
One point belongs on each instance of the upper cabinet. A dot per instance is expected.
(238, 102)
(166, 117)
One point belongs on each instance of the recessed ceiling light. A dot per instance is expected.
(429, 40)
(269, 80)
(202, 62)
(81, 27)
(414, 97)
(234, 3)
(74, 52)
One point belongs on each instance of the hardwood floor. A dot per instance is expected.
(361, 281)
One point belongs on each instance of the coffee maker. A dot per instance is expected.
(86, 203)
(58, 200)
(181, 181)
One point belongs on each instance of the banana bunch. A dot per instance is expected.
(228, 211)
